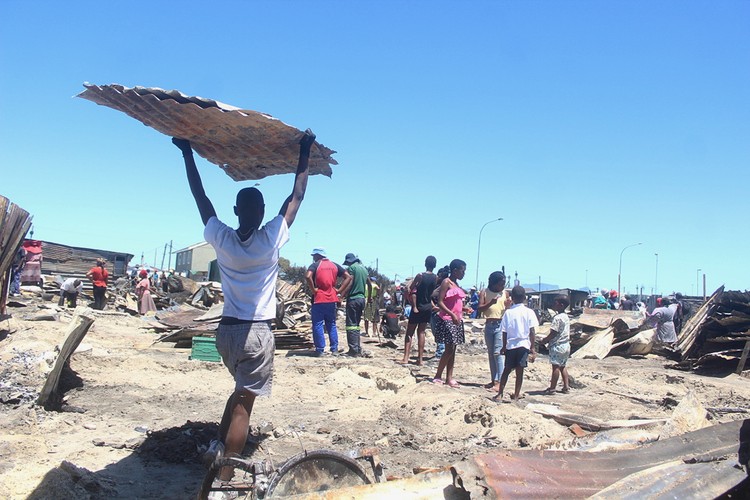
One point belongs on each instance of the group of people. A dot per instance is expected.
(360, 292)
(438, 300)
(144, 283)
(248, 263)
(667, 317)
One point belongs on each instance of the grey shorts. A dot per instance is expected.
(247, 350)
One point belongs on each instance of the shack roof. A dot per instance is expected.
(68, 260)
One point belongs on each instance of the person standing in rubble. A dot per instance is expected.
(663, 317)
(19, 261)
(449, 324)
(248, 260)
(321, 279)
(355, 290)
(143, 292)
(69, 290)
(99, 276)
(372, 307)
(419, 298)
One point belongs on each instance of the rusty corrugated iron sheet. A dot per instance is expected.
(575, 474)
(246, 144)
(580, 474)
(75, 261)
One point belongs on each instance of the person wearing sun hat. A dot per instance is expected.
(321, 278)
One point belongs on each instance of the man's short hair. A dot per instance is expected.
(518, 294)
(430, 262)
(76, 282)
(249, 197)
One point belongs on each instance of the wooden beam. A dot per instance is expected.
(743, 358)
(76, 331)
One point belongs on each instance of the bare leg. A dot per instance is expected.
(420, 342)
(566, 385)
(442, 364)
(367, 328)
(407, 341)
(519, 382)
(555, 376)
(241, 408)
(503, 381)
(450, 352)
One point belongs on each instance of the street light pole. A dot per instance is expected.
(697, 282)
(656, 274)
(619, 273)
(479, 246)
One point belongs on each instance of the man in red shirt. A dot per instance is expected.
(321, 278)
(99, 276)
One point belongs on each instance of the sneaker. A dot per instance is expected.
(318, 354)
(336, 352)
(215, 450)
(223, 495)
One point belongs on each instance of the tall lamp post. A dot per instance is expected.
(479, 246)
(619, 273)
(656, 274)
(697, 282)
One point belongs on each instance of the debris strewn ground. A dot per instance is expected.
(142, 412)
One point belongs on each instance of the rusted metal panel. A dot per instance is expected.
(572, 474)
(579, 474)
(246, 144)
(676, 480)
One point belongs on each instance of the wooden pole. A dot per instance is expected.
(743, 358)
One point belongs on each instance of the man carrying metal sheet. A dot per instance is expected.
(248, 262)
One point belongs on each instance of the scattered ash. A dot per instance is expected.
(184, 444)
(20, 379)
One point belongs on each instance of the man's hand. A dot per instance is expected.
(182, 144)
(307, 140)
(532, 357)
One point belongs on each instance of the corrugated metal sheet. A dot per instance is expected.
(580, 474)
(246, 144)
(70, 261)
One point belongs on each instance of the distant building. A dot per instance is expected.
(195, 261)
(577, 298)
(70, 262)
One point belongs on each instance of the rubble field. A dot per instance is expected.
(137, 413)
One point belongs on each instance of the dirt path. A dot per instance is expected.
(129, 387)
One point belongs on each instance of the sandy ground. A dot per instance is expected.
(134, 439)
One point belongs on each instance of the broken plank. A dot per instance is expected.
(77, 330)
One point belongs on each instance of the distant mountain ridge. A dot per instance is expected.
(535, 286)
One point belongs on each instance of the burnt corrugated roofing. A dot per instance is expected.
(67, 260)
(246, 144)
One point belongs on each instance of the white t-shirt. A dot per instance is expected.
(560, 324)
(517, 323)
(70, 287)
(248, 268)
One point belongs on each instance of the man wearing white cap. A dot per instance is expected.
(321, 278)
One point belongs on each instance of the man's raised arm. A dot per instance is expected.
(292, 203)
(205, 207)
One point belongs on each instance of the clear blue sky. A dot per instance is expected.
(587, 126)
